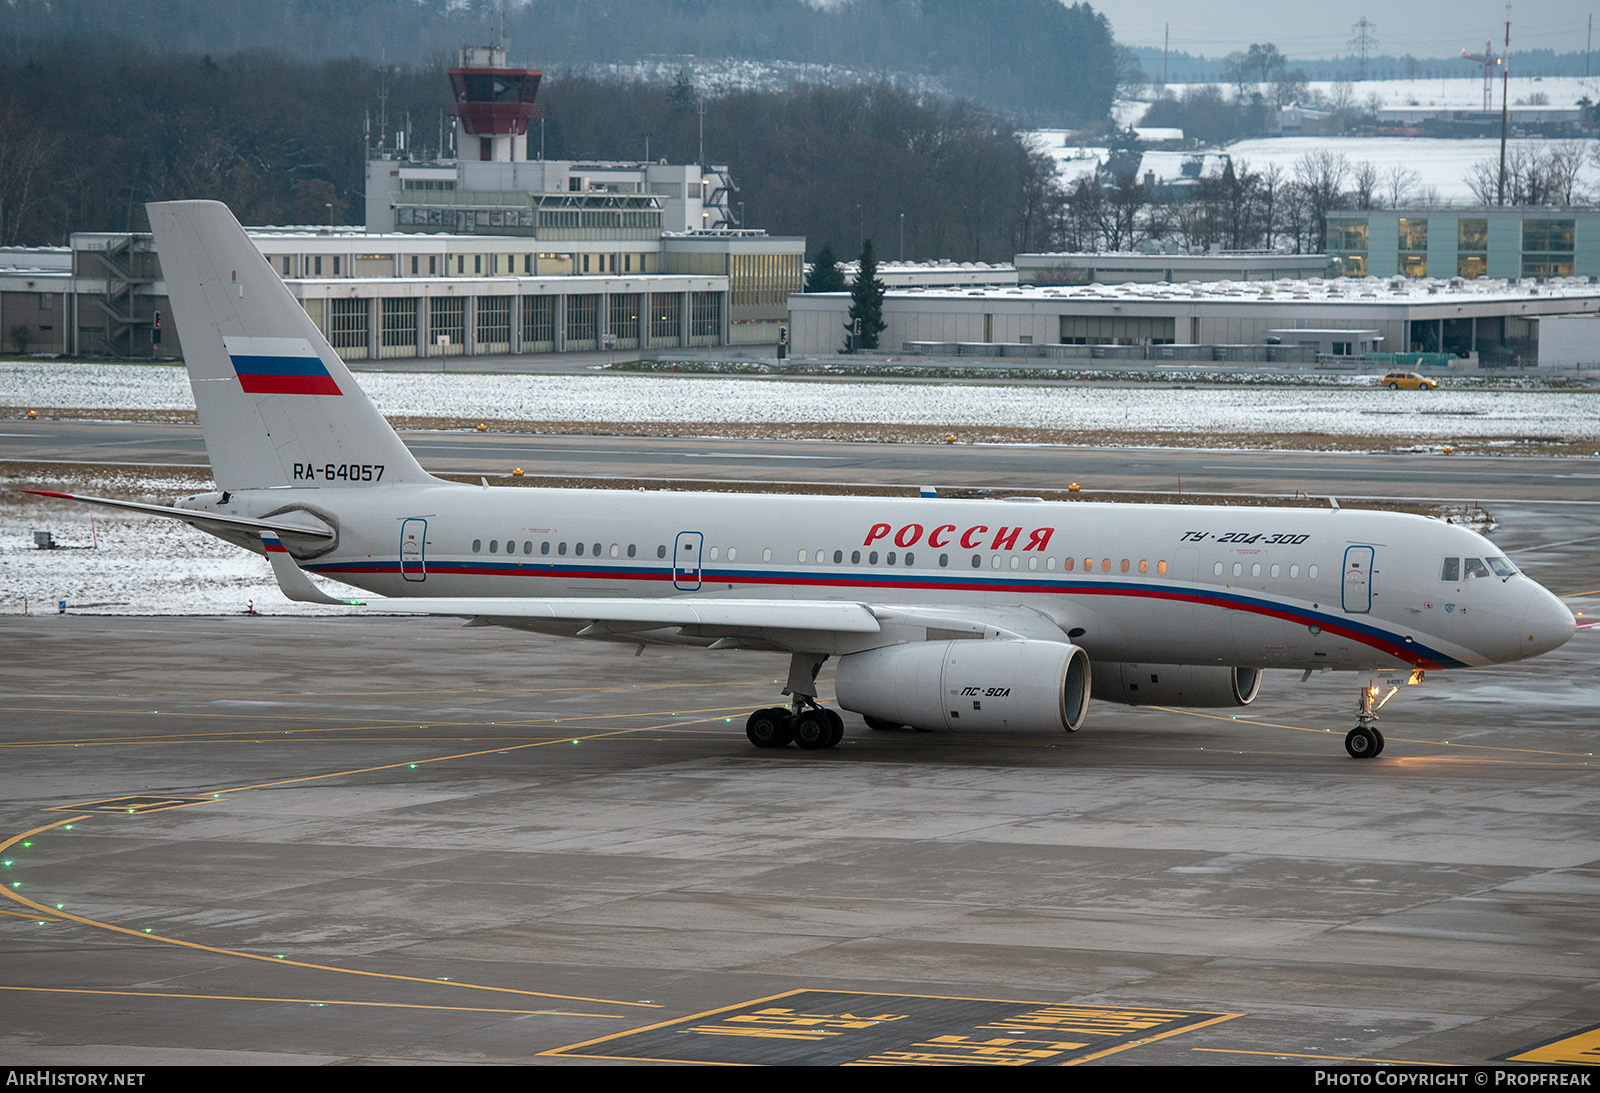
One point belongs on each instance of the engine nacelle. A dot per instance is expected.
(1175, 684)
(969, 684)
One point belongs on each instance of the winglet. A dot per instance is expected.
(292, 579)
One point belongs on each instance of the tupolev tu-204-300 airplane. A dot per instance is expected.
(961, 614)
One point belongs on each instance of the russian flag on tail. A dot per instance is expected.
(279, 366)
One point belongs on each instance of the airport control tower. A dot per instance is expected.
(493, 105)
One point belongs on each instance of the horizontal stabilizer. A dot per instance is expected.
(199, 519)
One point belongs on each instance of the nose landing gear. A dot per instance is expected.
(1365, 741)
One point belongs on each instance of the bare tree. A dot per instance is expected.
(1321, 177)
(1364, 184)
(1400, 185)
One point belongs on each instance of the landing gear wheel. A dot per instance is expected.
(771, 727)
(836, 723)
(813, 729)
(1379, 736)
(1363, 742)
(880, 724)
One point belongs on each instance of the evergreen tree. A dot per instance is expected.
(866, 300)
(825, 275)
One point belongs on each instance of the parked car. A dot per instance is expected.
(1411, 381)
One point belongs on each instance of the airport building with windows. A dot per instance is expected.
(1502, 242)
(490, 253)
(1483, 323)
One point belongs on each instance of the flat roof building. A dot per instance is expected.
(1497, 242)
(1482, 323)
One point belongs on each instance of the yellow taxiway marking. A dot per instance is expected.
(1530, 752)
(340, 726)
(1575, 595)
(83, 920)
(1330, 1058)
(309, 1001)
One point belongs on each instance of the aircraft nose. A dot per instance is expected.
(1548, 624)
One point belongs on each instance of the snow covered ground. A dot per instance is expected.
(112, 564)
(1360, 408)
(1442, 164)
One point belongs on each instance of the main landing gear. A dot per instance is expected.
(804, 722)
(1365, 741)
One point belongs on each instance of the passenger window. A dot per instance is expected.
(1014, 561)
(1294, 571)
(1312, 573)
(615, 549)
(1068, 563)
(889, 558)
(579, 549)
(562, 548)
(1275, 568)
(1124, 566)
(544, 547)
(715, 553)
(1161, 567)
(908, 557)
(855, 557)
(1238, 568)
(944, 561)
(977, 561)
(477, 546)
(1451, 570)
(1255, 569)
(1144, 565)
(872, 559)
(1033, 562)
(494, 546)
(838, 557)
(1217, 569)
(1105, 565)
(1050, 563)
(1088, 565)
(801, 556)
(661, 551)
(994, 561)
(766, 555)
(633, 549)
(597, 550)
(527, 546)
(734, 553)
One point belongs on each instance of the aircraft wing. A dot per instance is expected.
(777, 625)
(597, 617)
(188, 516)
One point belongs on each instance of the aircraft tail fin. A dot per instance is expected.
(277, 405)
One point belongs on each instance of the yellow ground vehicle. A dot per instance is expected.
(1410, 381)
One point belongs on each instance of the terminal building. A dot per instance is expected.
(1481, 323)
(490, 253)
(1504, 242)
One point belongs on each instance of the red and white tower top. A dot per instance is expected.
(493, 104)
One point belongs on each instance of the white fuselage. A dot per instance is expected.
(1175, 584)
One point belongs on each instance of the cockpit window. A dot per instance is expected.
(1476, 568)
(1502, 566)
(1451, 570)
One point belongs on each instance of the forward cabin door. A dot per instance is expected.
(1356, 586)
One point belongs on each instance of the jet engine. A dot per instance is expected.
(970, 684)
(1174, 684)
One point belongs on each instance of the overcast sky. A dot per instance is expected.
(1423, 28)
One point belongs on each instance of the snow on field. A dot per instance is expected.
(108, 563)
(1442, 164)
(1363, 409)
